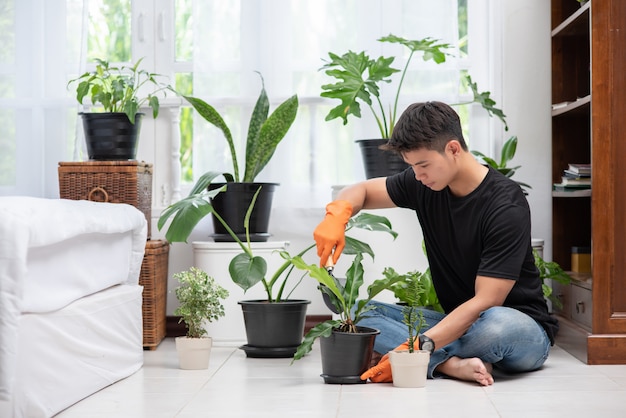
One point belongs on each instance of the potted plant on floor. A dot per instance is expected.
(264, 134)
(113, 133)
(199, 297)
(275, 325)
(359, 79)
(346, 347)
(409, 367)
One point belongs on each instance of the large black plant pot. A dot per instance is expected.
(273, 329)
(377, 162)
(346, 356)
(232, 205)
(111, 136)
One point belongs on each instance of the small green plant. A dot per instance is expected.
(264, 132)
(550, 270)
(359, 79)
(116, 88)
(345, 298)
(508, 152)
(413, 317)
(404, 288)
(199, 297)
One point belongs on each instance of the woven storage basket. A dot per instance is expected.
(153, 278)
(109, 181)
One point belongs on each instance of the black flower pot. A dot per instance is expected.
(273, 329)
(111, 136)
(232, 205)
(377, 162)
(346, 356)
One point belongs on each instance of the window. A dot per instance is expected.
(212, 49)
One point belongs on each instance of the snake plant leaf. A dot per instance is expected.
(246, 271)
(211, 115)
(259, 116)
(272, 131)
(187, 213)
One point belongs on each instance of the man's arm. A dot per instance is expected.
(329, 235)
(489, 292)
(369, 194)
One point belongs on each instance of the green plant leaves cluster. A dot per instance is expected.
(345, 298)
(265, 131)
(359, 77)
(116, 88)
(200, 297)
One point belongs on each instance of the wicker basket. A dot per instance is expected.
(153, 278)
(109, 181)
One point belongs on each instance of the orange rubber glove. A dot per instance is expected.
(381, 373)
(330, 233)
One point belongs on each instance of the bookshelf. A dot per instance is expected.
(588, 82)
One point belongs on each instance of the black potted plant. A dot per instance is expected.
(359, 80)
(346, 347)
(265, 132)
(275, 325)
(113, 132)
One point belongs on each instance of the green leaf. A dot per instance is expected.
(323, 329)
(186, 215)
(271, 133)
(212, 116)
(259, 116)
(354, 85)
(486, 102)
(247, 271)
(433, 49)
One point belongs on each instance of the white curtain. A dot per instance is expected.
(41, 47)
(287, 41)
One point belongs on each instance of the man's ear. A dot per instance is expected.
(454, 147)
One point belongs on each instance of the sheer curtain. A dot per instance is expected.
(41, 46)
(287, 41)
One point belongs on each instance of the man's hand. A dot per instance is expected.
(381, 373)
(330, 233)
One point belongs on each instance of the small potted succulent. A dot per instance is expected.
(409, 367)
(200, 298)
(112, 133)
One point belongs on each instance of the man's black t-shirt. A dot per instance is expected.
(485, 233)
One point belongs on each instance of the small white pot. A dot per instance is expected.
(193, 353)
(409, 369)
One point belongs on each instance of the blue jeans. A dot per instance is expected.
(508, 339)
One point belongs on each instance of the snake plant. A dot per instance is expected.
(264, 132)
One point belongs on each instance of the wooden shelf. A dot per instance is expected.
(588, 67)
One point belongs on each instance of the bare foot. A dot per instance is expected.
(470, 369)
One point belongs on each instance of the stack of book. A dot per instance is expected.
(576, 178)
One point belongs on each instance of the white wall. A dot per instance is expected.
(526, 97)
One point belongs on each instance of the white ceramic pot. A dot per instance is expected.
(193, 353)
(409, 369)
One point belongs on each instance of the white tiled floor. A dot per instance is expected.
(236, 386)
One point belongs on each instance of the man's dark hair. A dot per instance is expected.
(429, 125)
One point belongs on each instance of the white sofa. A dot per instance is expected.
(70, 303)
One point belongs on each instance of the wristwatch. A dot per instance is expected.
(426, 343)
